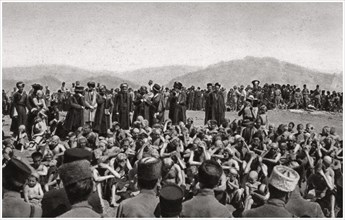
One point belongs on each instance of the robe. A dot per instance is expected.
(102, 120)
(75, 115)
(217, 107)
(18, 111)
(208, 106)
(90, 101)
(123, 106)
(178, 108)
(142, 108)
(157, 106)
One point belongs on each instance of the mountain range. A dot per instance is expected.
(230, 73)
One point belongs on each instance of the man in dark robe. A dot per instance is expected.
(32, 107)
(190, 98)
(157, 107)
(18, 108)
(103, 113)
(197, 99)
(123, 107)
(75, 115)
(177, 111)
(208, 105)
(142, 104)
(217, 105)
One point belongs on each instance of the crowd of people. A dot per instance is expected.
(81, 152)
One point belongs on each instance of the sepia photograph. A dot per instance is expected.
(172, 109)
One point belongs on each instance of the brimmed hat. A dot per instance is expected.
(284, 178)
(156, 88)
(75, 171)
(217, 84)
(149, 168)
(177, 85)
(209, 84)
(79, 89)
(255, 82)
(170, 200)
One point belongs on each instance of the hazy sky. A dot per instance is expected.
(126, 36)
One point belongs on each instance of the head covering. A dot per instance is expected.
(75, 171)
(123, 85)
(217, 84)
(91, 84)
(170, 200)
(149, 168)
(284, 178)
(156, 88)
(250, 98)
(17, 170)
(74, 154)
(37, 87)
(79, 89)
(19, 83)
(209, 84)
(255, 82)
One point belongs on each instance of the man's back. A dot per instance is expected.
(204, 205)
(143, 205)
(273, 209)
(13, 206)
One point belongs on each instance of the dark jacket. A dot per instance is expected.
(274, 208)
(204, 205)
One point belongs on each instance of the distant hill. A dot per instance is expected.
(267, 70)
(54, 75)
(51, 81)
(160, 75)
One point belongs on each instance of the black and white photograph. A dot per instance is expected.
(172, 109)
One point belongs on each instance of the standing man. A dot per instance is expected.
(178, 100)
(317, 97)
(217, 105)
(75, 115)
(124, 107)
(282, 182)
(197, 100)
(90, 103)
(103, 112)
(205, 204)
(18, 108)
(144, 204)
(305, 94)
(157, 107)
(208, 104)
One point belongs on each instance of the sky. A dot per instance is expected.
(128, 36)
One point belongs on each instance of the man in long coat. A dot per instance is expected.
(103, 113)
(157, 107)
(142, 104)
(123, 107)
(90, 103)
(208, 104)
(217, 105)
(75, 115)
(18, 108)
(177, 111)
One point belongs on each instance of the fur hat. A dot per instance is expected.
(91, 84)
(17, 170)
(209, 84)
(255, 82)
(74, 154)
(170, 200)
(37, 87)
(284, 178)
(217, 84)
(75, 171)
(149, 168)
